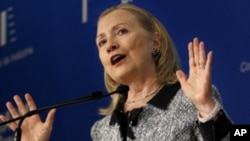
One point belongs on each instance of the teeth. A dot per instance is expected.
(116, 59)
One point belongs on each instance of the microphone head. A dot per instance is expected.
(122, 89)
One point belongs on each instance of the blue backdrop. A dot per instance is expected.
(47, 48)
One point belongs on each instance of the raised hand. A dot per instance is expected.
(198, 86)
(33, 129)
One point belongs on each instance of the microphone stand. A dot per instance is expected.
(94, 96)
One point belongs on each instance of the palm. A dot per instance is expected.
(197, 86)
(33, 129)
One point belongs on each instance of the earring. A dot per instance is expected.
(154, 52)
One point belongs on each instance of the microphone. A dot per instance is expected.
(122, 89)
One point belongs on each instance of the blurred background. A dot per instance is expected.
(47, 48)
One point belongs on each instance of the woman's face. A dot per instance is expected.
(125, 47)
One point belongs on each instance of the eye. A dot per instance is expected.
(122, 31)
(101, 43)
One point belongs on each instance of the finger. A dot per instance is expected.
(50, 118)
(191, 55)
(202, 54)
(21, 107)
(32, 106)
(12, 125)
(3, 118)
(12, 110)
(31, 103)
(196, 51)
(209, 61)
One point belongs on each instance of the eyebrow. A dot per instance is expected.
(112, 29)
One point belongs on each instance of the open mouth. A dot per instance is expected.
(116, 58)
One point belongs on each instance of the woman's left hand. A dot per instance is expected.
(198, 86)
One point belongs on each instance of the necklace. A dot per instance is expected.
(144, 97)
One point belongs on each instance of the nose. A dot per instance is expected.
(111, 48)
(113, 45)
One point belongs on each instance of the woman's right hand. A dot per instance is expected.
(33, 128)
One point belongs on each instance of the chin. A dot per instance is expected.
(122, 78)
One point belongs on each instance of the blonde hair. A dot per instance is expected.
(168, 61)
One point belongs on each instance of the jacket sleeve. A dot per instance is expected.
(216, 130)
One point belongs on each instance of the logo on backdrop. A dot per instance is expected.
(7, 27)
(126, 1)
(245, 66)
(85, 9)
(8, 37)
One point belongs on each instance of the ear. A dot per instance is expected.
(157, 40)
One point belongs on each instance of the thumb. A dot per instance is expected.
(50, 117)
(181, 76)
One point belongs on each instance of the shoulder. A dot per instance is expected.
(103, 131)
(181, 101)
(216, 94)
(101, 123)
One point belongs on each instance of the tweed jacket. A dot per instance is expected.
(168, 116)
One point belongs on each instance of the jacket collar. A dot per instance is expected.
(164, 96)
